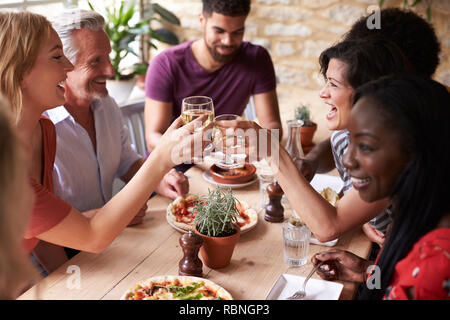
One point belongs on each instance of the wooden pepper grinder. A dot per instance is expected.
(190, 264)
(274, 209)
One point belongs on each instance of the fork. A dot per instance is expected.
(300, 294)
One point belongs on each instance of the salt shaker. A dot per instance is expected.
(190, 264)
(274, 209)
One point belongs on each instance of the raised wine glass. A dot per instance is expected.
(196, 106)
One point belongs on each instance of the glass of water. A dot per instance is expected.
(295, 243)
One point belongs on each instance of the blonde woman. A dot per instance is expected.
(34, 64)
(16, 202)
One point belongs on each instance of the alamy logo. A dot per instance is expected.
(374, 20)
(374, 280)
(74, 280)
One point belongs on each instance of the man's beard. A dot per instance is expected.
(222, 58)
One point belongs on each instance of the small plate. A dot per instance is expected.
(174, 226)
(322, 181)
(207, 176)
(316, 289)
(331, 243)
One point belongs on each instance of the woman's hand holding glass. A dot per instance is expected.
(184, 143)
(255, 142)
(226, 142)
(196, 106)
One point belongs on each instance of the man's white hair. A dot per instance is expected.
(68, 21)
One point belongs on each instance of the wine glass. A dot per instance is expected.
(224, 141)
(196, 106)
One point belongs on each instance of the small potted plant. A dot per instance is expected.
(215, 221)
(308, 128)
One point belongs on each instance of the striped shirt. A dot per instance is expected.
(340, 140)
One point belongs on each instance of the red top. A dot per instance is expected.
(426, 268)
(48, 209)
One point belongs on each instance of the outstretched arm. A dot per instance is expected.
(267, 111)
(94, 235)
(157, 118)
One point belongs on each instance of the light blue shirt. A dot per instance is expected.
(82, 177)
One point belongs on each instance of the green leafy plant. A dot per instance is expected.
(216, 213)
(412, 4)
(140, 68)
(302, 113)
(122, 32)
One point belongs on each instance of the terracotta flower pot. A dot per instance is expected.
(216, 252)
(307, 134)
(140, 82)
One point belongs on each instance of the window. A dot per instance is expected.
(44, 7)
(49, 8)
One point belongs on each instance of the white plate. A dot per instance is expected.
(322, 181)
(316, 289)
(174, 226)
(207, 176)
(331, 243)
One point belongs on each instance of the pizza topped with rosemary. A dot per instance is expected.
(181, 214)
(176, 288)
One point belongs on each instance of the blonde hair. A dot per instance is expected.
(21, 34)
(16, 271)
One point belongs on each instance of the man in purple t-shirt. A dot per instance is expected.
(221, 66)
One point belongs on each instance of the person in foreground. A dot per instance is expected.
(399, 137)
(417, 40)
(33, 69)
(220, 65)
(16, 202)
(345, 66)
(92, 139)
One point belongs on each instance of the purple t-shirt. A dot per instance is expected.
(175, 74)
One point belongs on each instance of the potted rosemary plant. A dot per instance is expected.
(215, 222)
(308, 129)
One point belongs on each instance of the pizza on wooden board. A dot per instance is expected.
(181, 213)
(176, 288)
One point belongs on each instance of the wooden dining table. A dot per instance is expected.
(153, 249)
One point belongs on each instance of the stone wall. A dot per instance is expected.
(296, 31)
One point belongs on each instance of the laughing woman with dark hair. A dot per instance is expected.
(344, 66)
(399, 149)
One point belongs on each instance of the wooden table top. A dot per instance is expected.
(152, 249)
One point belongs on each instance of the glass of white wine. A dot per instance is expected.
(196, 106)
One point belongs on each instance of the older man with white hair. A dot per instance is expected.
(92, 140)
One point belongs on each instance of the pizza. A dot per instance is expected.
(181, 214)
(176, 288)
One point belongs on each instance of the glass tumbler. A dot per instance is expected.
(295, 244)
